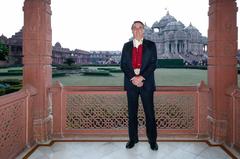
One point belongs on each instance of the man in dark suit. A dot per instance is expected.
(138, 63)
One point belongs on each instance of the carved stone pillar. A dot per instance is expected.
(222, 70)
(166, 51)
(37, 51)
(185, 46)
(176, 47)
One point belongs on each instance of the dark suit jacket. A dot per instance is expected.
(149, 60)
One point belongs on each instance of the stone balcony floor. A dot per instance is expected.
(117, 150)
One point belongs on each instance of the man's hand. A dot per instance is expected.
(138, 81)
(140, 84)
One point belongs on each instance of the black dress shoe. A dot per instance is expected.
(130, 144)
(153, 146)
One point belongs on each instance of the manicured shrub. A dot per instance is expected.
(10, 73)
(16, 71)
(12, 89)
(110, 69)
(12, 81)
(96, 72)
(68, 67)
(10, 86)
(58, 74)
(2, 91)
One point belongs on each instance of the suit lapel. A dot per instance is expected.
(130, 54)
(144, 54)
(130, 51)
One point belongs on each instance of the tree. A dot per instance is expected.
(3, 52)
(69, 61)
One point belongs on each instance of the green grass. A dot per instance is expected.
(179, 77)
(164, 77)
(82, 80)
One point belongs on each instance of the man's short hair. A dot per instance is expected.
(138, 21)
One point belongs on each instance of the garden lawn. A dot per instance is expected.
(164, 77)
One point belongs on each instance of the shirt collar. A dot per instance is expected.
(136, 43)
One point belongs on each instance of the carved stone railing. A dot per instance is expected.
(103, 110)
(16, 122)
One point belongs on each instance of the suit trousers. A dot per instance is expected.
(148, 106)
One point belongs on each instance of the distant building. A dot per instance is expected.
(3, 39)
(14, 45)
(60, 54)
(105, 57)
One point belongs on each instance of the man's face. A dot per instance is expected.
(138, 31)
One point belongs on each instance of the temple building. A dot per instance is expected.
(175, 41)
(60, 54)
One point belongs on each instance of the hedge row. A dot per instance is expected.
(170, 63)
(96, 72)
(19, 73)
(67, 67)
(115, 70)
(187, 67)
(10, 85)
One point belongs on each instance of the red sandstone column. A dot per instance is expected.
(37, 51)
(222, 71)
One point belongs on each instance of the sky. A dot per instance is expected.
(104, 24)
